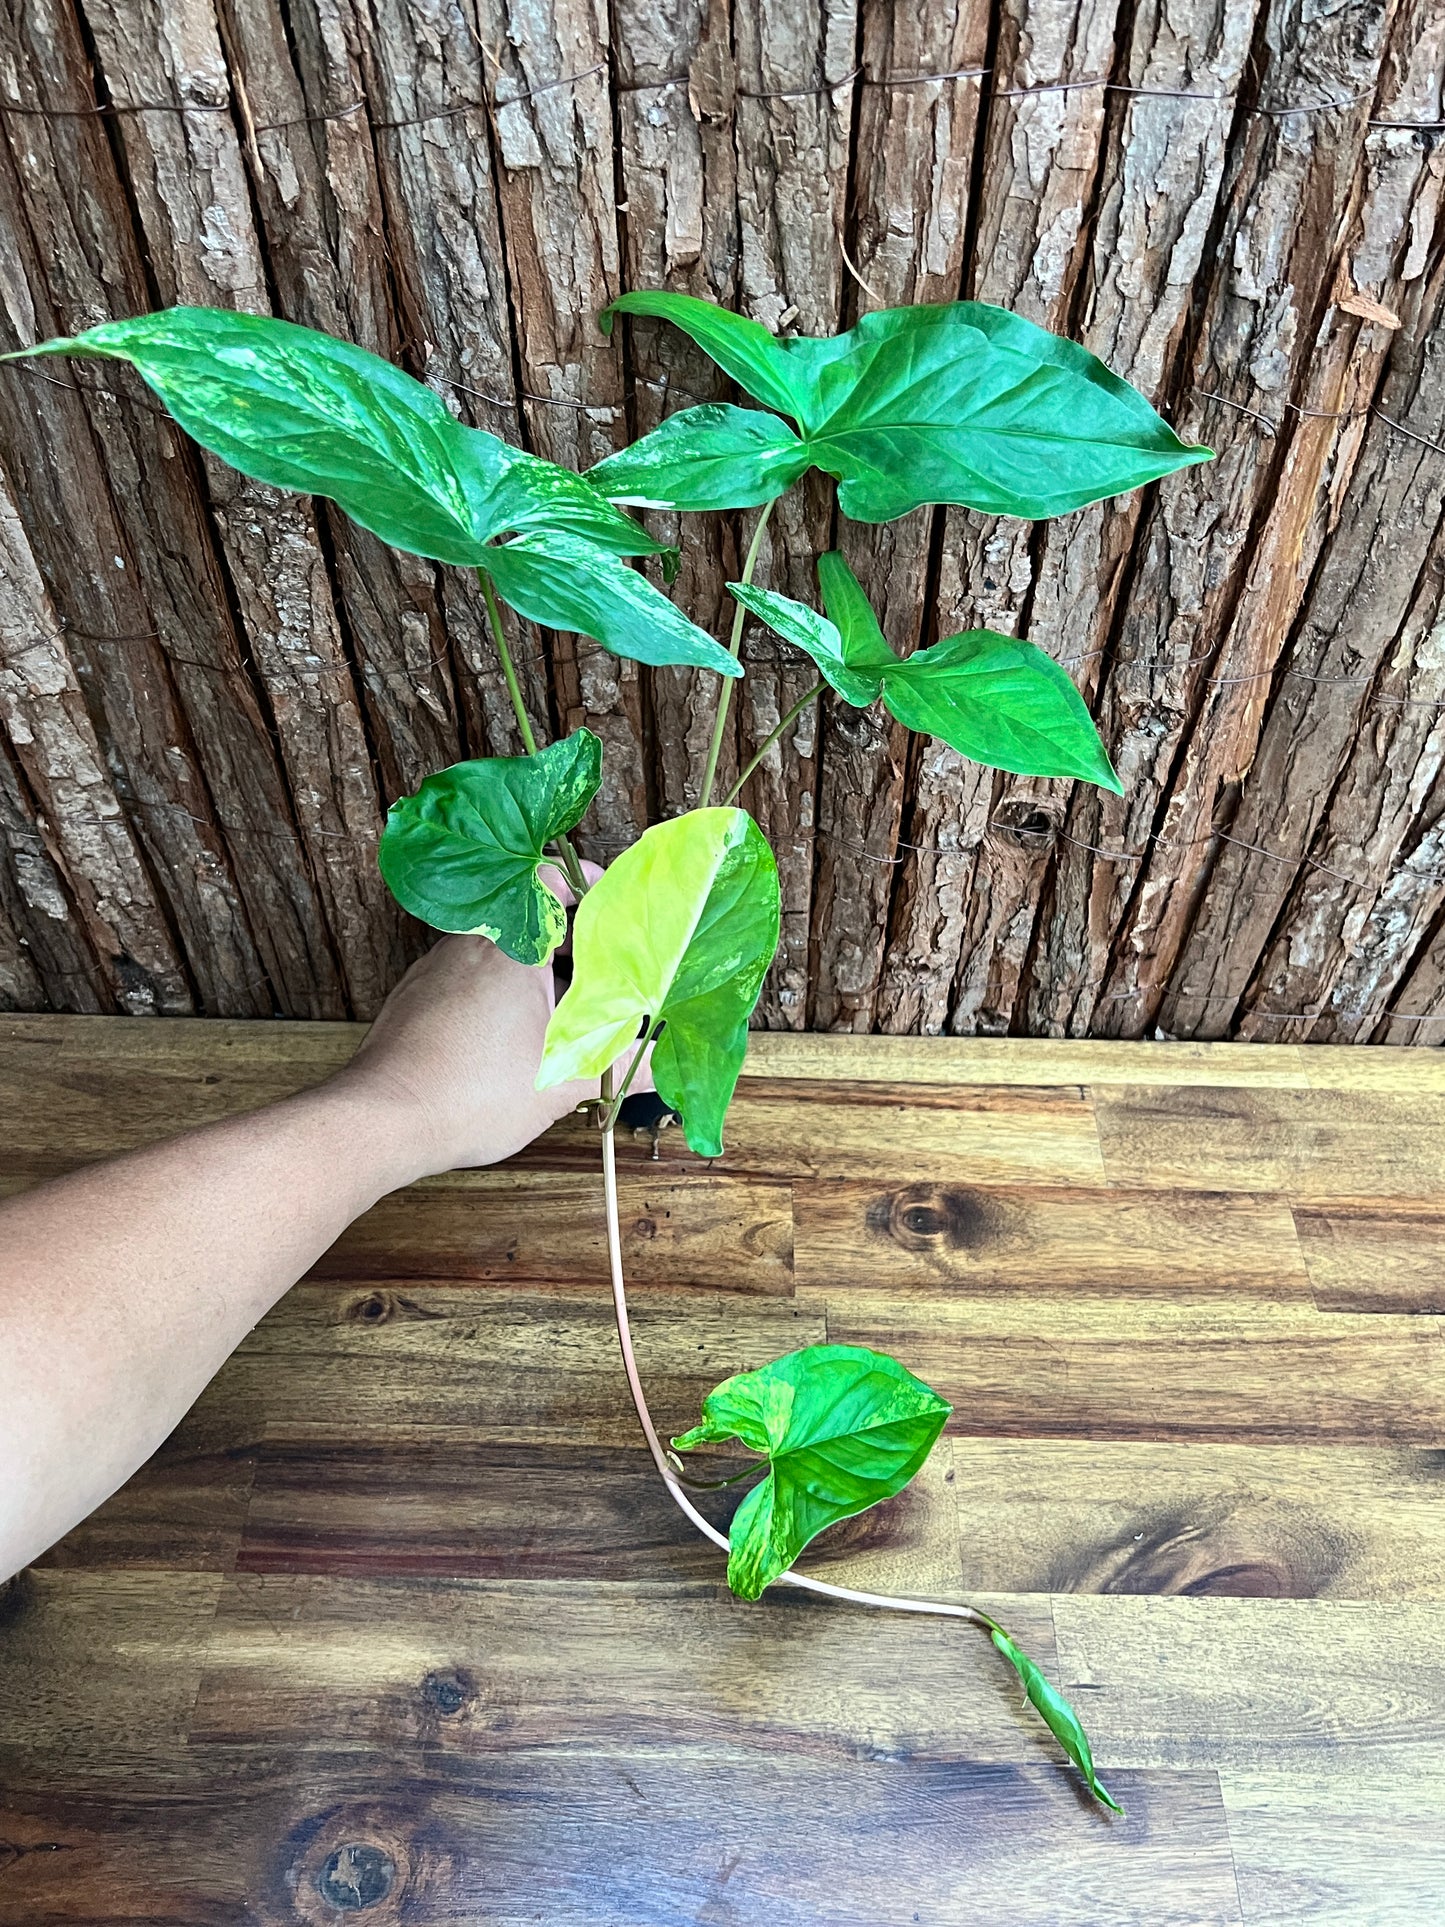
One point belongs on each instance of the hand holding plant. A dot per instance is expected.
(960, 403)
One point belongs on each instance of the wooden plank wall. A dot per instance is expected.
(210, 692)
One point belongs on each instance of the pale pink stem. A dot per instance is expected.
(941, 1608)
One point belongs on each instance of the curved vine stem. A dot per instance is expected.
(568, 856)
(671, 1479)
(735, 641)
(792, 716)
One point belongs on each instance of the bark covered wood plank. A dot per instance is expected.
(676, 97)
(963, 909)
(50, 732)
(552, 139)
(77, 253)
(1217, 580)
(52, 961)
(791, 126)
(318, 199)
(1352, 706)
(913, 172)
(188, 178)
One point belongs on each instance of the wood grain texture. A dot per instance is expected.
(1234, 202)
(400, 1613)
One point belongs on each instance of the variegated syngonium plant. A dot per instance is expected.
(963, 404)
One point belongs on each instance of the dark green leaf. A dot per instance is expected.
(842, 1427)
(566, 583)
(463, 853)
(1057, 1714)
(992, 698)
(710, 457)
(962, 403)
(743, 348)
(679, 930)
(304, 411)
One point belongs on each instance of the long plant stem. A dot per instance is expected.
(568, 856)
(792, 716)
(725, 694)
(938, 1607)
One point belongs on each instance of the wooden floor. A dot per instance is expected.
(400, 1625)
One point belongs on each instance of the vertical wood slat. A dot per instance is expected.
(111, 476)
(192, 197)
(462, 189)
(913, 176)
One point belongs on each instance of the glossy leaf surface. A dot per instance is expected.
(1057, 1714)
(962, 403)
(679, 930)
(710, 457)
(463, 852)
(566, 583)
(842, 1427)
(301, 410)
(995, 699)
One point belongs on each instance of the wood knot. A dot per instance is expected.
(924, 1217)
(373, 1309)
(448, 1690)
(356, 1876)
(1030, 823)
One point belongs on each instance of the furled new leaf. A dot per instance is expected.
(842, 1427)
(680, 930)
(993, 698)
(301, 410)
(463, 853)
(1057, 1714)
(962, 403)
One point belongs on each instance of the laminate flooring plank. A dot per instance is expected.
(1373, 1254)
(586, 1666)
(1268, 1521)
(184, 1510)
(1343, 1846)
(554, 1512)
(1257, 1685)
(98, 1670)
(1311, 1143)
(1031, 1365)
(927, 1237)
(506, 1226)
(621, 1840)
(418, 1362)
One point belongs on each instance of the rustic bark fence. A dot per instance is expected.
(209, 692)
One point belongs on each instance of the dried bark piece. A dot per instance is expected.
(1217, 582)
(50, 963)
(188, 178)
(50, 733)
(1376, 522)
(76, 263)
(912, 169)
(959, 959)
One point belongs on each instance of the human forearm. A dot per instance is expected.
(123, 1288)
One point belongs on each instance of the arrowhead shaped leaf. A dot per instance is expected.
(992, 698)
(710, 457)
(1057, 1714)
(961, 403)
(680, 930)
(463, 853)
(842, 1427)
(301, 410)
